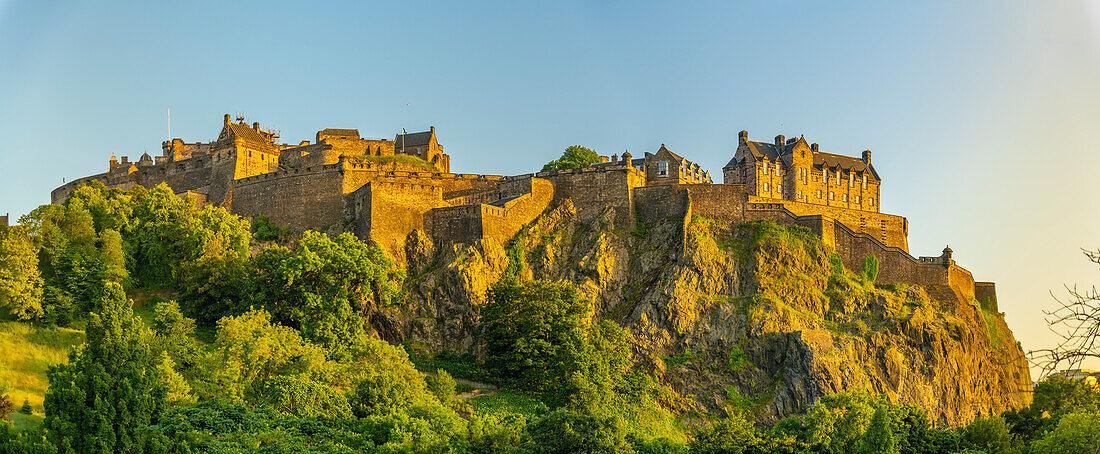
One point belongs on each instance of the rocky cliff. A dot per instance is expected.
(756, 316)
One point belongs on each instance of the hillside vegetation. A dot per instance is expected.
(602, 335)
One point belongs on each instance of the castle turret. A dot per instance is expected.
(113, 163)
(627, 157)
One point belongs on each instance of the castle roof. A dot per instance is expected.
(246, 133)
(675, 156)
(764, 150)
(413, 139)
(337, 132)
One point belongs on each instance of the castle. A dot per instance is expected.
(383, 190)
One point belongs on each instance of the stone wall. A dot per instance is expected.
(986, 294)
(525, 198)
(887, 228)
(303, 199)
(4, 220)
(387, 211)
(594, 189)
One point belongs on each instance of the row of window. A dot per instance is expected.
(844, 197)
(803, 173)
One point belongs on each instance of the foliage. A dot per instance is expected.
(737, 359)
(567, 432)
(989, 435)
(109, 391)
(20, 281)
(442, 385)
(6, 406)
(386, 381)
(574, 157)
(1075, 433)
(879, 437)
(732, 435)
(870, 269)
(265, 230)
(321, 287)
(26, 409)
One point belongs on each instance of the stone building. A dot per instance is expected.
(791, 169)
(4, 220)
(384, 190)
(662, 167)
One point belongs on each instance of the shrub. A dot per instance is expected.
(26, 409)
(442, 385)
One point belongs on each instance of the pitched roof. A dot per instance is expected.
(761, 150)
(412, 139)
(675, 156)
(245, 132)
(338, 132)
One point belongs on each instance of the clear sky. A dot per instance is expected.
(980, 115)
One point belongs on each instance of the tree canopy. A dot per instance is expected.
(574, 157)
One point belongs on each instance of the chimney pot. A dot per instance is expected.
(256, 125)
(226, 119)
(779, 141)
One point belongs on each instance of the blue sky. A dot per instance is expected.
(979, 114)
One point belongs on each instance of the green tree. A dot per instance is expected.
(20, 282)
(568, 432)
(26, 409)
(105, 396)
(6, 407)
(732, 435)
(1075, 433)
(323, 286)
(879, 437)
(574, 157)
(988, 434)
(442, 385)
(385, 381)
(534, 334)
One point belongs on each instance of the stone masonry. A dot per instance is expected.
(383, 190)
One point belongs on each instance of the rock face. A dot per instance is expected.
(757, 316)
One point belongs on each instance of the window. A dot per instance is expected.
(870, 201)
(799, 195)
(765, 168)
(819, 193)
(857, 200)
(845, 197)
(765, 187)
(777, 169)
(851, 180)
(779, 188)
(662, 168)
(831, 195)
(838, 177)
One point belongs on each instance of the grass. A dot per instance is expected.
(505, 402)
(28, 352)
(396, 159)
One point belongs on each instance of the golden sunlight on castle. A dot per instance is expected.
(383, 190)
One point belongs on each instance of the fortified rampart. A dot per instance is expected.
(385, 189)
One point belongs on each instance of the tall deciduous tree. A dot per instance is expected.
(20, 281)
(103, 399)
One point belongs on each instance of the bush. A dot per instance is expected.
(733, 435)
(26, 409)
(567, 432)
(1075, 433)
(6, 407)
(988, 434)
(442, 385)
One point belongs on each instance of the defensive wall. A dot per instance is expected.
(208, 174)
(594, 189)
(732, 203)
(522, 199)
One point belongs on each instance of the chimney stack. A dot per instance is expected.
(867, 156)
(255, 126)
(614, 158)
(779, 141)
(227, 119)
(813, 146)
(742, 137)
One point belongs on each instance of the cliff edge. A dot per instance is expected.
(755, 316)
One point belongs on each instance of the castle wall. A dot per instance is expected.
(594, 189)
(986, 294)
(302, 199)
(889, 229)
(386, 212)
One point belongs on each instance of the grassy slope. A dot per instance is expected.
(28, 352)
